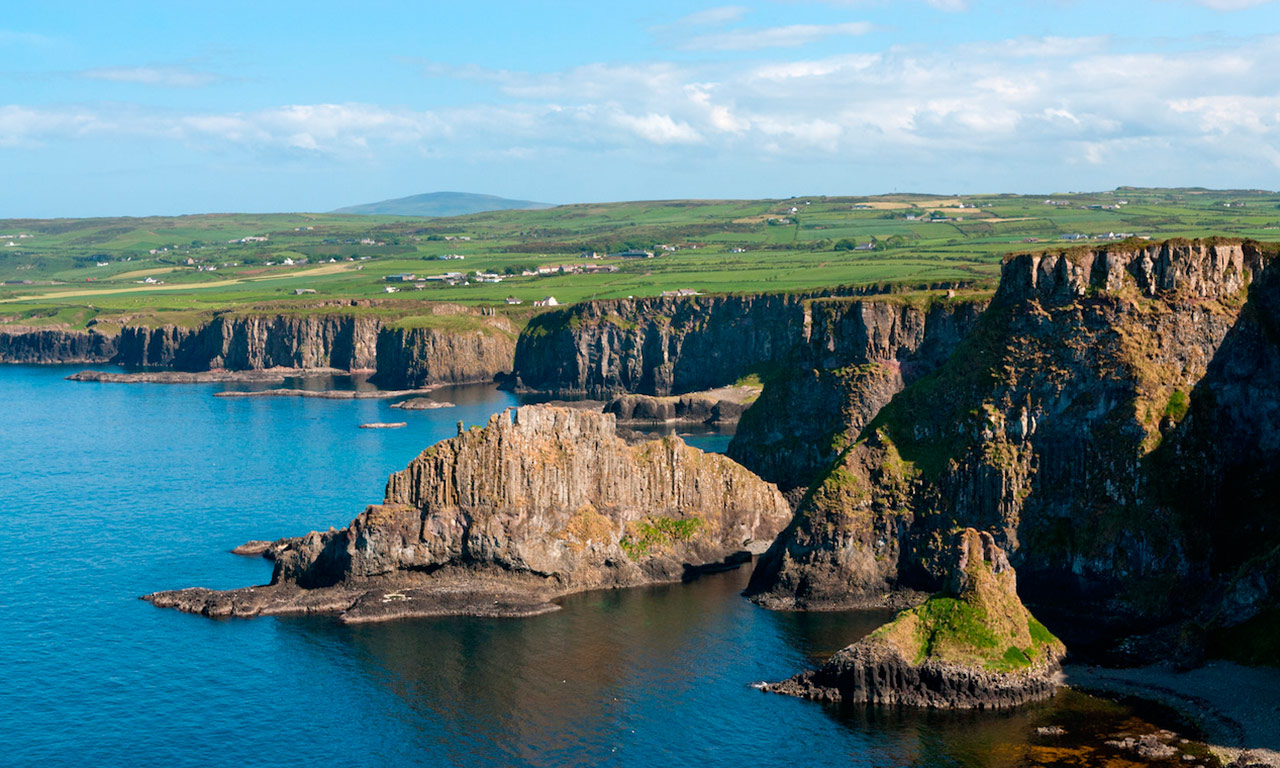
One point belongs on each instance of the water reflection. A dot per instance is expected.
(661, 676)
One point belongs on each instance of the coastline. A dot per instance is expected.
(1236, 707)
(204, 377)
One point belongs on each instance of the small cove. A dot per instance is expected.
(114, 490)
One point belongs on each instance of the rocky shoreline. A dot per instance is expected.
(1237, 708)
(330, 394)
(875, 674)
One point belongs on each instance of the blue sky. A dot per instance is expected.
(168, 108)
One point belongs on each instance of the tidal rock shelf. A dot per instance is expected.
(502, 519)
(421, 404)
(264, 375)
(329, 394)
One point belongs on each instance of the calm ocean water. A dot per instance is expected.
(109, 491)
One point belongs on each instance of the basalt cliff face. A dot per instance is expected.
(857, 354)
(655, 346)
(20, 344)
(247, 342)
(828, 363)
(1112, 418)
(413, 357)
(477, 349)
(973, 645)
(664, 346)
(499, 520)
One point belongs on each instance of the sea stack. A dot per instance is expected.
(971, 646)
(502, 519)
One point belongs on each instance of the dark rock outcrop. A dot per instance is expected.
(972, 646)
(499, 520)
(719, 406)
(451, 345)
(476, 348)
(829, 361)
(1112, 418)
(666, 345)
(414, 357)
(858, 354)
(248, 341)
(21, 344)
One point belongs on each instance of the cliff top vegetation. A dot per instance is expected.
(67, 272)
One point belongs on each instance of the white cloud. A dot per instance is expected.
(1231, 5)
(167, 77)
(658, 129)
(790, 36)
(725, 14)
(1093, 102)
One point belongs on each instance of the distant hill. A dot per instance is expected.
(440, 204)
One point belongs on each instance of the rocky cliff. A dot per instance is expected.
(828, 363)
(973, 645)
(855, 356)
(499, 520)
(450, 345)
(251, 341)
(413, 357)
(21, 344)
(667, 345)
(1108, 419)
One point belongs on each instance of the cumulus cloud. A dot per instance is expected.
(167, 77)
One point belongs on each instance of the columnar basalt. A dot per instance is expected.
(501, 519)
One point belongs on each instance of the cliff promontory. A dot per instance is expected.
(1111, 419)
(971, 646)
(500, 520)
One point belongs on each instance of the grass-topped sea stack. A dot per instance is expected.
(972, 645)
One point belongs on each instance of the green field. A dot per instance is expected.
(69, 271)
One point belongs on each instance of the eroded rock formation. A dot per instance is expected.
(501, 519)
(971, 646)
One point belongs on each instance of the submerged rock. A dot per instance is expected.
(499, 520)
(974, 645)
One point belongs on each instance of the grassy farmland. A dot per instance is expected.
(67, 272)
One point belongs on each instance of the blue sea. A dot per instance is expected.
(111, 491)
